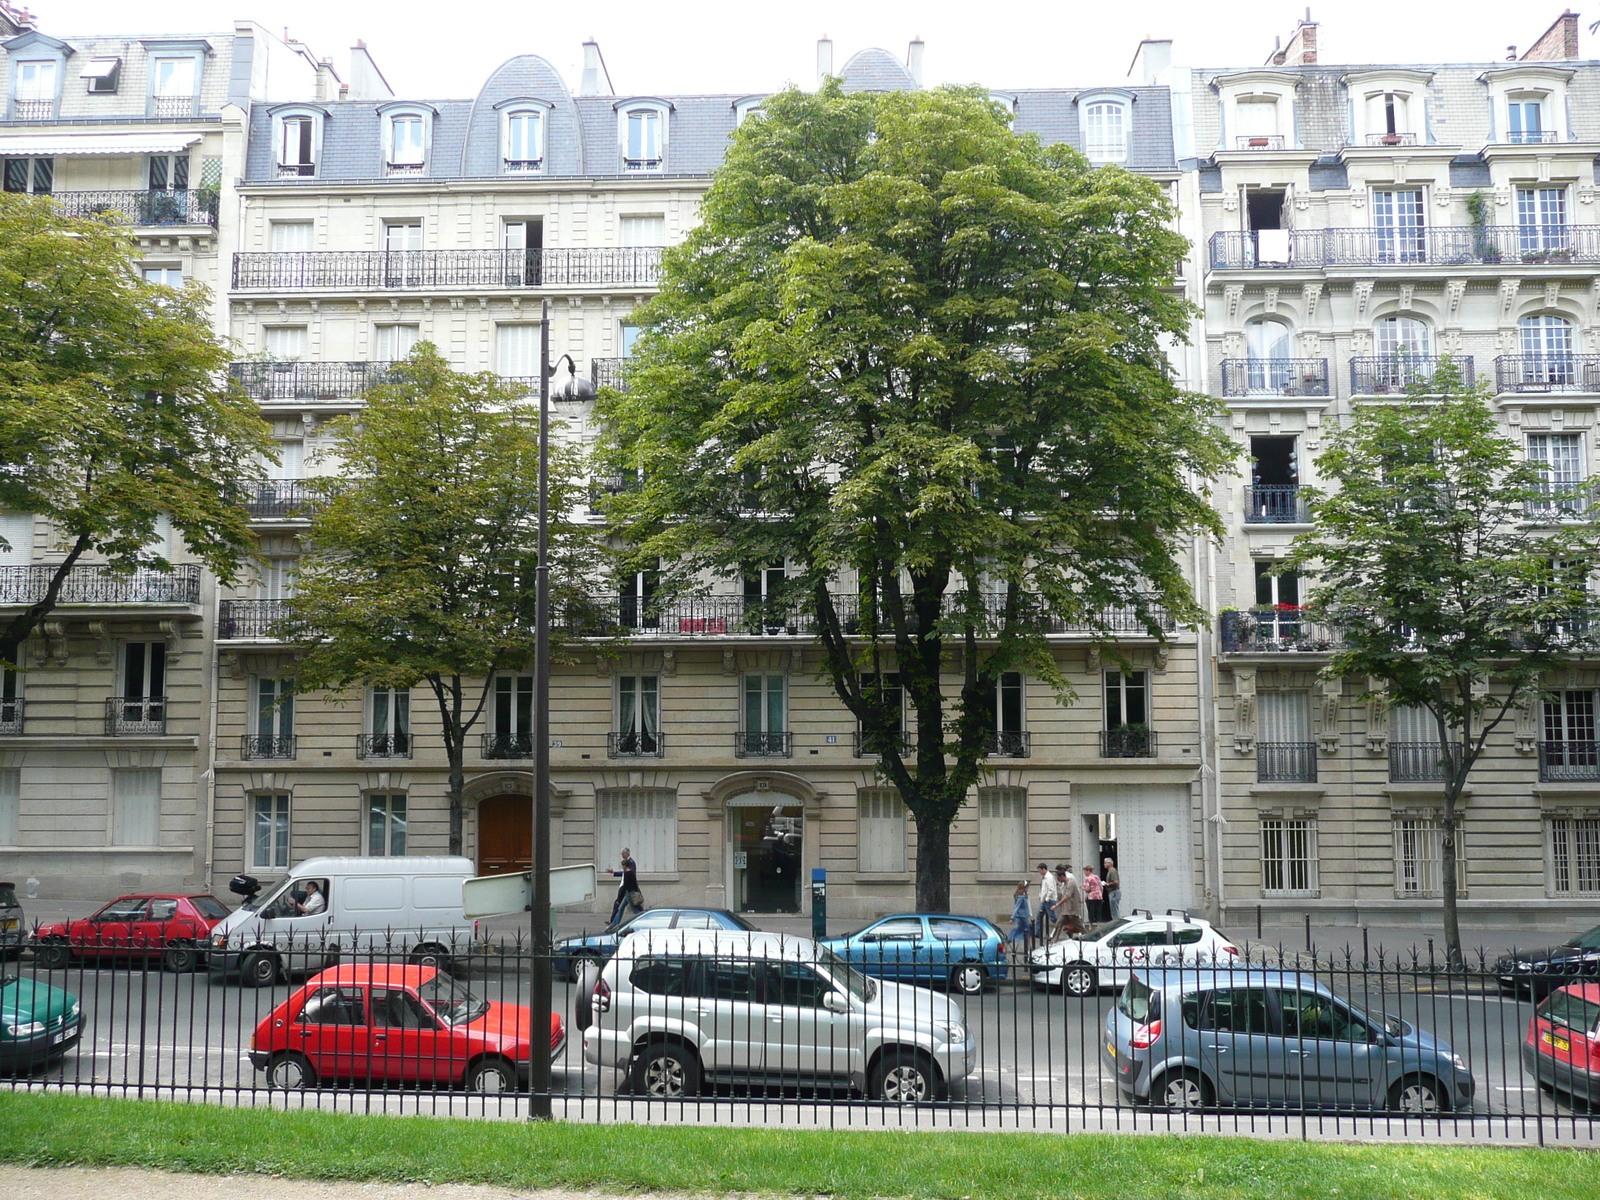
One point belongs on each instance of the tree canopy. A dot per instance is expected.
(114, 405)
(919, 360)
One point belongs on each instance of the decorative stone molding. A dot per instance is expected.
(1361, 293)
(52, 646)
(1552, 292)
(778, 783)
(1092, 660)
(1328, 723)
(169, 630)
(1244, 711)
(1455, 290)
(1160, 655)
(105, 646)
(1408, 292)
(1508, 296)
(1269, 299)
(1310, 297)
(1232, 298)
(669, 662)
(1377, 716)
(1526, 730)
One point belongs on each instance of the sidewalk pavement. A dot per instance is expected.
(131, 1183)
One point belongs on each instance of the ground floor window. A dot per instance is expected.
(1003, 831)
(1288, 857)
(10, 806)
(136, 807)
(1572, 856)
(269, 831)
(645, 820)
(1419, 858)
(881, 831)
(386, 823)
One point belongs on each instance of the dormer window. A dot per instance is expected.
(35, 96)
(1388, 106)
(1106, 137)
(1529, 103)
(750, 106)
(1256, 120)
(1525, 118)
(174, 84)
(524, 141)
(1389, 119)
(297, 141)
(406, 135)
(642, 130)
(102, 75)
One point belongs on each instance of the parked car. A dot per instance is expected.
(1104, 956)
(960, 952)
(173, 926)
(676, 1008)
(1562, 1049)
(571, 953)
(38, 1023)
(1271, 1039)
(398, 1024)
(13, 931)
(1540, 972)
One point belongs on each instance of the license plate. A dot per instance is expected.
(12, 923)
(1559, 1042)
(1111, 1049)
(58, 1036)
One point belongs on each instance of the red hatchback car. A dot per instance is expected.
(1562, 1049)
(172, 926)
(397, 1024)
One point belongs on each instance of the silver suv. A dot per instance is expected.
(681, 1007)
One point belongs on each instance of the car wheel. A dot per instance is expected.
(491, 1077)
(430, 956)
(905, 1077)
(180, 960)
(1080, 979)
(576, 967)
(967, 979)
(1418, 1095)
(666, 1071)
(583, 994)
(290, 1073)
(259, 970)
(53, 956)
(1185, 1090)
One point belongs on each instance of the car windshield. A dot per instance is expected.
(266, 899)
(740, 922)
(209, 907)
(1586, 941)
(1571, 1011)
(1108, 927)
(853, 981)
(452, 1001)
(8, 895)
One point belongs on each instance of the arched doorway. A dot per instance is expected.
(766, 832)
(505, 834)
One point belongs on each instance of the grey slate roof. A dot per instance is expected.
(876, 70)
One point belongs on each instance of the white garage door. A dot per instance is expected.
(1155, 851)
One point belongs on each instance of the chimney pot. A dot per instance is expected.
(914, 60)
(824, 59)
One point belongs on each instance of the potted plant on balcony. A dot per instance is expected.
(1129, 740)
(1478, 209)
(1392, 139)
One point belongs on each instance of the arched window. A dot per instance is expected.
(522, 140)
(642, 127)
(1269, 355)
(1405, 349)
(407, 133)
(1399, 337)
(297, 140)
(1546, 361)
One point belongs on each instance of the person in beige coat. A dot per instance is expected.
(1070, 908)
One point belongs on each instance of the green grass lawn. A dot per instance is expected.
(78, 1131)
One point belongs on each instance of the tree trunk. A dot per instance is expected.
(933, 862)
(458, 783)
(1447, 870)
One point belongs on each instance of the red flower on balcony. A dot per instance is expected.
(1289, 608)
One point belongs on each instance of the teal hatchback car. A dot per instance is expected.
(960, 952)
(38, 1023)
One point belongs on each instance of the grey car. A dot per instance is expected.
(1271, 1039)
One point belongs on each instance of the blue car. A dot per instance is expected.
(961, 952)
(571, 953)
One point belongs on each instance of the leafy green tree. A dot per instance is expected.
(114, 406)
(421, 552)
(919, 359)
(1454, 572)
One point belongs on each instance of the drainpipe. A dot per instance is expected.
(214, 678)
(1209, 749)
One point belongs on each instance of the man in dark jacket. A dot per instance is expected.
(628, 894)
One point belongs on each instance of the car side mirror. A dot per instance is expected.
(835, 1002)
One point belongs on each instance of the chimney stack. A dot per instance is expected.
(914, 60)
(1151, 61)
(1302, 48)
(1558, 42)
(824, 59)
(594, 70)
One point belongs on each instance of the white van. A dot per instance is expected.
(332, 906)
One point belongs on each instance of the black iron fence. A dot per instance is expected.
(196, 207)
(636, 743)
(1185, 1028)
(609, 372)
(1009, 743)
(1275, 377)
(267, 382)
(1397, 374)
(1547, 372)
(1418, 762)
(1286, 628)
(134, 716)
(1569, 761)
(279, 499)
(1440, 246)
(273, 745)
(383, 270)
(98, 585)
(1127, 742)
(1286, 762)
(763, 745)
(1274, 504)
(507, 745)
(13, 715)
(383, 745)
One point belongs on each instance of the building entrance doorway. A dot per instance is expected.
(505, 835)
(767, 840)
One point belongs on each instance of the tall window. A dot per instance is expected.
(1541, 219)
(34, 176)
(1569, 749)
(296, 146)
(765, 604)
(1256, 120)
(642, 230)
(628, 337)
(1415, 755)
(642, 140)
(523, 243)
(1389, 115)
(1288, 857)
(1286, 751)
(1278, 612)
(1007, 736)
(766, 716)
(1572, 856)
(886, 689)
(386, 823)
(517, 351)
(389, 723)
(17, 531)
(1269, 351)
(643, 819)
(34, 93)
(11, 708)
(513, 711)
(1403, 337)
(275, 576)
(136, 806)
(1003, 831)
(1419, 858)
(880, 831)
(636, 595)
(524, 141)
(285, 343)
(391, 343)
(638, 714)
(1397, 223)
(269, 831)
(1561, 456)
(1105, 132)
(402, 245)
(1547, 348)
(144, 687)
(1525, 118)
(168, 172)
(10, 806)
(406, 149)
(274, 720)
(173, 84)
(1127, 705)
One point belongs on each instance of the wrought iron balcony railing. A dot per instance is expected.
(1440, 246)
(192, 207)
(251, 618)
(279, 499)
(1274, 377)
(1127, 743)
(33, 110)
(1287, 628)
(1418, 762)
(871, 745)
(1561, 503)
(385, 745)
(635, 744)
(1286, 762)
(1547, 373)
(266, 382)
(763, 745)
(508, 745)
(1522, 137)
(1573, 761)
(96, 585)
(131, 716)
(1397, 374)
(172, 107)
(1274, 504)
(271, 746)
(608, 372)
(1258, 141)
(1391, 139)
(12, 714)
(1009, 743)
(384, 270)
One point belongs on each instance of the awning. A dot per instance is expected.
(50, 145)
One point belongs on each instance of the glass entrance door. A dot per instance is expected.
(766, 850)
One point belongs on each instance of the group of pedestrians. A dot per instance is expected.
(1067, 906)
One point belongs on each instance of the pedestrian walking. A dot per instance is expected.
(1113, 890)
(1049, 894)
(1093, 895)
(628, 893)
(1021, 917)
(1070, 909)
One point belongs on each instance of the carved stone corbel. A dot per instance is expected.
(1328, 735)
(1161, 653)
(1377, 717)
(730, 665)
(1093, 663)
(669, 661)
(233, 664)
(169, 630)
(1244, 711)
(797, 659)
(105, 646)
(53, 646)
(1527, 727)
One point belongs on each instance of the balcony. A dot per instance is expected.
(267, 382)
(1259, 141)
(1390, 139)
(1563, 502)
(1537, 373)
(763, 745)
(1569, 762)
(279, 500)
(386, 745)
(33, 110)
(172, 108)
(1275, 504)
(1417, 762)
(635, 745)
(96, 585)
(1286, 762)
(253, 746)
(871, 746)
(1442, 246)
(1531, 137)
(1130, 741)
(1009, 743)
(134, 716)
(251, 618)
(1397, 374)
(12, 713)
(420, 270)
(608, 372)
(508, 745)
(1275, 377)
(1284, 629)
(198, 207)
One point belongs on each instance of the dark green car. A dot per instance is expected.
(38, 1023)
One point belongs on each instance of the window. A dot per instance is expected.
(1288, 857)
(513, 715)
(1269, 355)
(1007, 737)
(1003, 831)
(1278, 612)
(1525, 118)
(289, 236)
(34, 95)
(102, 75)
(523, 242)
(269, 831)
(1415, 754)
(386, 823)
(391, 343)
(1127, 712)
(629, 337)
(743, 110)
(643, 819)
(143, 704)
(388, 723)
(643, 142)
(766, 608)
(285, 343)
(334, 1006)
(1419, 858)
(11, 706)
(886, 691)
(275, 577)
(407, 134)
(1572, 856)
(274, 720)
(1561, 456)
(165, 276)
(640, 230)
(1397, 223)
(168, 172)
(17, 531)
(173, 84)
(636, 593)
(1547, 347)
(402, 257)
(1286, 751)
(1105, 136)
(523, 141)
(34, 176)
(765, 731)
(880, 831)
(297, 146)
(1389, 117)
(1402, 336)
(1568, 749)
(517, 351)
(10, 806)
(638, 715)
(1542, 220)
(136, 806)
(1255, 122)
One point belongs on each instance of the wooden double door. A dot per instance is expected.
(505, 835)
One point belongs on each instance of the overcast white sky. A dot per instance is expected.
(441, 50)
